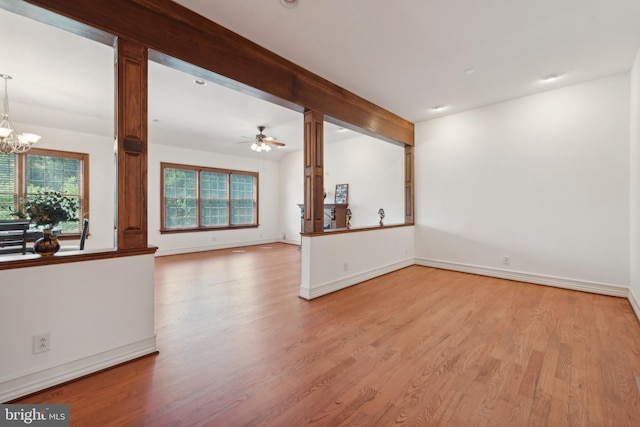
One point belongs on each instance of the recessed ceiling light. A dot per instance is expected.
(470, 71)
(200, 82)
(289, 4)
(439, 108)
(343, 130)
(551, 77)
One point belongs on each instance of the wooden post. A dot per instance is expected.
(409, 178)
(313, 172)
(131, 144)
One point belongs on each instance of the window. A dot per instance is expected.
(24, 175)
(196, 198)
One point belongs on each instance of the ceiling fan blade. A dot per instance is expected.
(274, 142)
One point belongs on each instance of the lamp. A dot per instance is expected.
(381, 213)
(348, 213)
(10, 140)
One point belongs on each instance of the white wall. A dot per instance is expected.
(543, 180)
(101, 175)
(635, 186)
(98, 314)
(374, 170)
(291, 194)
(335, 261)
(269, 216)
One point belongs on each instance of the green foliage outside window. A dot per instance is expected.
(42, 174)
(203, 198)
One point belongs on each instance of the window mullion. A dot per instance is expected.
(229, 199)
(198, 199)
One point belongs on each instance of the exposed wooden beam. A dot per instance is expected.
(173, 30)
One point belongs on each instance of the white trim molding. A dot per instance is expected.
(26, 383)
(635, 303)
(345, 282)
(538, 279)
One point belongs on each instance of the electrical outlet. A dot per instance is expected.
(506, 260)
(284, 236)
(41, 343)
(213, 238)
(345, 267)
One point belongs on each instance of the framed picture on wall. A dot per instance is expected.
(342, 192)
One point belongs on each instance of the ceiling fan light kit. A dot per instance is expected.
(263, 142)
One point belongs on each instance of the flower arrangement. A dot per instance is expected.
(48, 209)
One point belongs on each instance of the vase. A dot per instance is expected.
(47, 245)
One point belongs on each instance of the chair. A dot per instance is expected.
(13, 234)
(83, 237)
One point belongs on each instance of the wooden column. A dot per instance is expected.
(313, 172)
(131, 144)
(409, 185)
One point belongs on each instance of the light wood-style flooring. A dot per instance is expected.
(418, 347)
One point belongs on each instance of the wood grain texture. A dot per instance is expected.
(313, 220)
(417, 347)
(212, 52)
(10, 262)
(409, 185)
(131, 125)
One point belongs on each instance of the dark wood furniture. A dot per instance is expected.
(83, 237)
(13, 236)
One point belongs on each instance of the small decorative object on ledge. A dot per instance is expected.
(342, 194)
(381, 213)
(48, 209)
(48, 244)
(348, 213)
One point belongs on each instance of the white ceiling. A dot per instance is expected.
(405, 56)
(411, 55)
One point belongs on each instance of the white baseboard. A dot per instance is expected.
(635, 303)
(31, 382)
(291, 242)
(345, 282)
(539, 279)
(205, 248)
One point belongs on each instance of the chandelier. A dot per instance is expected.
(10, 140)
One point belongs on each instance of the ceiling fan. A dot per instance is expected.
(263, 142)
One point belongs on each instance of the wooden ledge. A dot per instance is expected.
(334, 231)
(33, 260)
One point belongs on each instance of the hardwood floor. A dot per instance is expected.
(419, 347)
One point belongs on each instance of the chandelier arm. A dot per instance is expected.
(11, 141)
